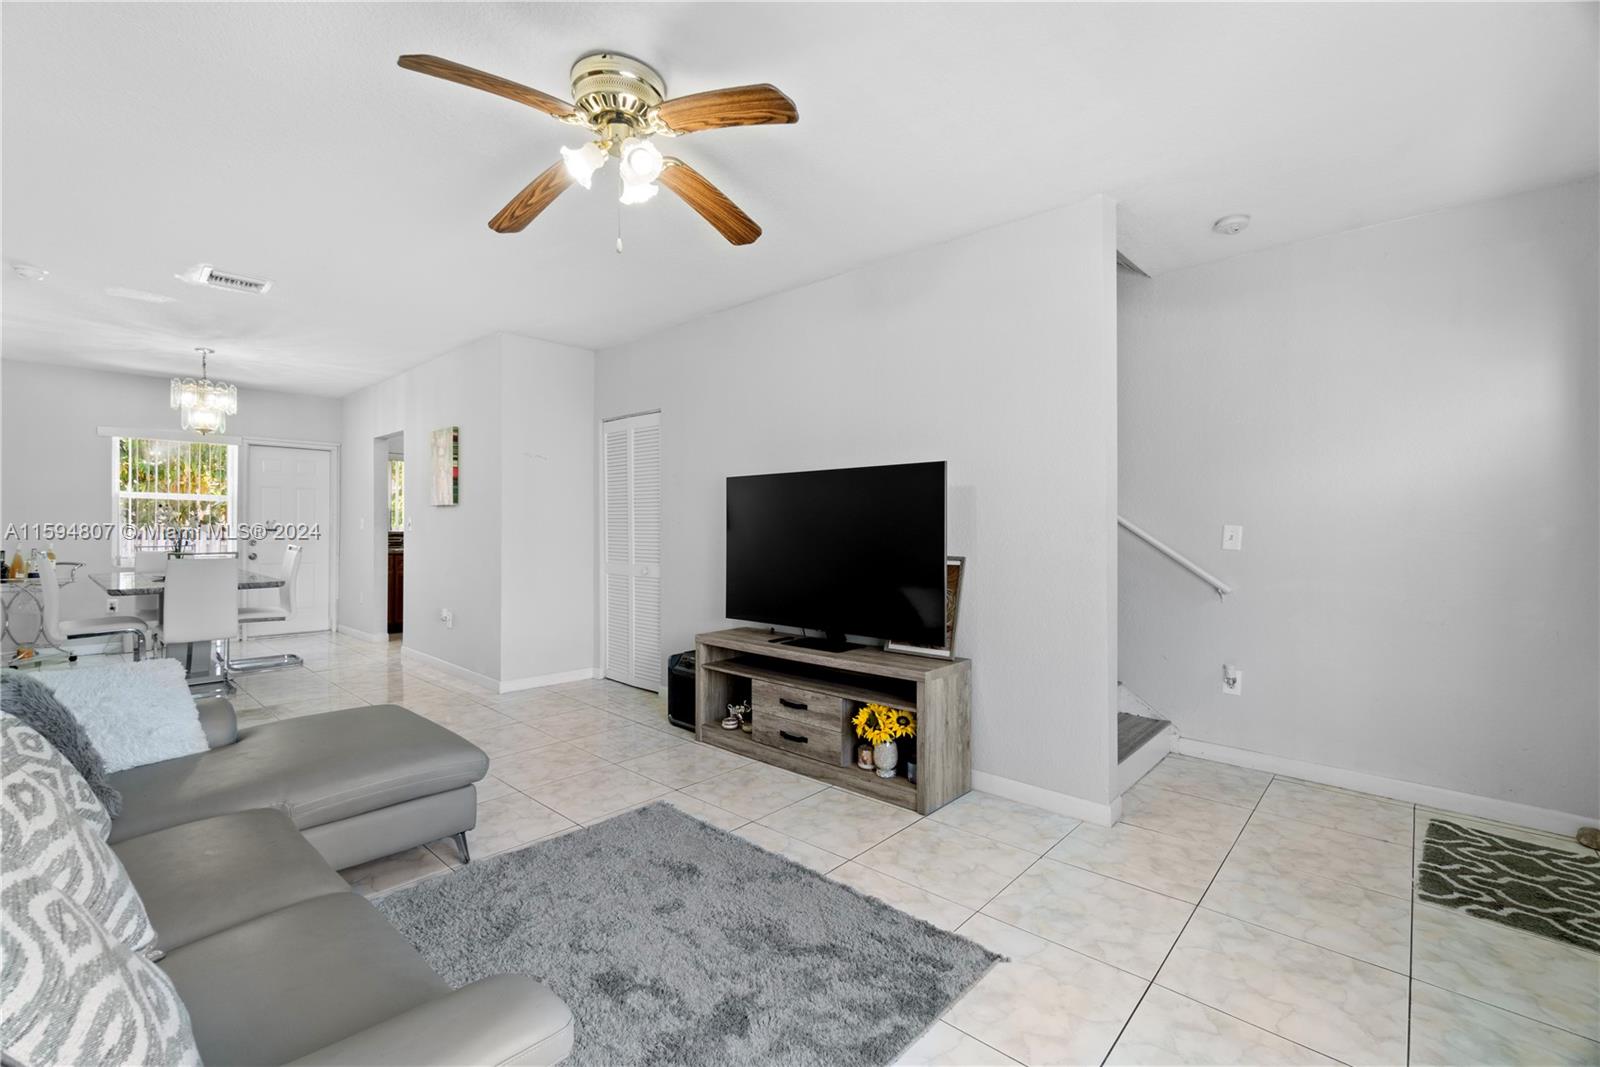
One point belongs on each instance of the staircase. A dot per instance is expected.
(1143, 738)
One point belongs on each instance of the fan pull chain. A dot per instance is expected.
(619, 210)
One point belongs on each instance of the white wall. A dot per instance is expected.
(996, 352)
(453, 553)
(1404, 420)
(57, 468)
(513, 560)
(549, 481)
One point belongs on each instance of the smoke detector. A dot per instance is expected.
(206, 274)
(1228, 225)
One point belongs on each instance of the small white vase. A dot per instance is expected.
(884, 757)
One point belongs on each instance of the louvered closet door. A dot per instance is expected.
(631, 596)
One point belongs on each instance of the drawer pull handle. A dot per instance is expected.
(787, 736)
(795, 704)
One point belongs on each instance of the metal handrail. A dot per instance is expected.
(1222, 588)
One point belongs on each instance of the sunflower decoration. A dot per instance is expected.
(880, 724)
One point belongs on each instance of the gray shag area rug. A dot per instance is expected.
(674, 942)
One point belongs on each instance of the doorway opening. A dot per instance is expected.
(392, 519)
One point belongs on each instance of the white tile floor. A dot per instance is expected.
(1231, 918)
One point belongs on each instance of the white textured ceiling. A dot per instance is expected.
(282, 141)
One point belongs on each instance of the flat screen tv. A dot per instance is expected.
(856, 551)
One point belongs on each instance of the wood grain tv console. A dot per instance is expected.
(802, 700)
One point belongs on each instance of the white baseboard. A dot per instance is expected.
(407, 652)
(1506, 811)
(516, 685)
(362, 635)
(510, 685)
(1048, 799)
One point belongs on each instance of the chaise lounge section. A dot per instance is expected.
(359, 783)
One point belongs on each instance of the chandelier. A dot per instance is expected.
(204, 405)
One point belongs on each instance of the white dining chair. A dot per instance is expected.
(149, 563)
(60, 631)
(201, 604)
(278, 612)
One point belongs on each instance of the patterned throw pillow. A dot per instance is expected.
(71, 993)
(24, 751)
(43, 833)
(31, 701)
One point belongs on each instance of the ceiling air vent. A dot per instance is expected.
(206, 274)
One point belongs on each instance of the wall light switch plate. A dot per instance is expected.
(1233, 538)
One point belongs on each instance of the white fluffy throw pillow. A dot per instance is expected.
(135, 713)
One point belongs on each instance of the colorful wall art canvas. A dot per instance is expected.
(445, 447)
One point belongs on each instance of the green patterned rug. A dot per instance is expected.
(1532, 887)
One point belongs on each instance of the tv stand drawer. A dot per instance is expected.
(819, 712)
(803, 738)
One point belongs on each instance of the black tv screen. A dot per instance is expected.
(855, 551)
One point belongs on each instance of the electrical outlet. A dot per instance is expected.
(111, 604)
(1232, 680)
(1233, 538)
(447, 617)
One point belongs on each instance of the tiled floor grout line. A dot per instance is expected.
(1411, 930)
(1173, 947)
(1509, 1011)
(979, 911)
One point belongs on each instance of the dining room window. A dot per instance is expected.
(173, 495)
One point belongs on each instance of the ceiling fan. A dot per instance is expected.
(623, 102)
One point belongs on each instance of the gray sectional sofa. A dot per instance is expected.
(234, 853)
(358, 783)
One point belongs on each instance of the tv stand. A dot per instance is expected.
(828, 643)
(802, 699)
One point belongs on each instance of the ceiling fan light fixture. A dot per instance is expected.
(640, 161)
(638, 192)
(623, 102)
(582, 162)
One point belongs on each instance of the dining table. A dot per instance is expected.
(132, 583)
(210, 670)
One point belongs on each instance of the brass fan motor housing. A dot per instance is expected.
(610, 88)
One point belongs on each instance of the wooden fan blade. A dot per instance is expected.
(526, 205)
(748, 105)
(710, 202)
(490, 83)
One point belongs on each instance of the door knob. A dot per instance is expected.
(252, 555)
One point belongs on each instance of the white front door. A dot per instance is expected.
(290, 491)
(630, 597)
